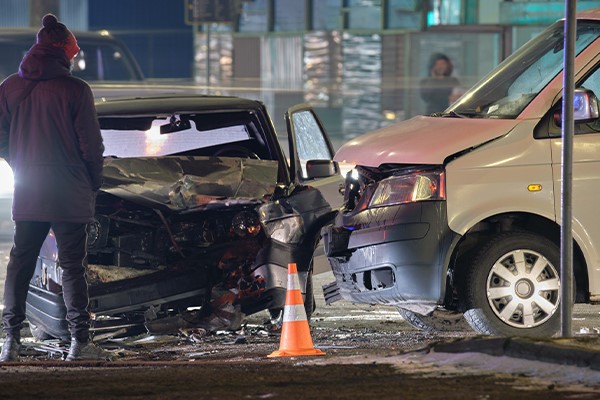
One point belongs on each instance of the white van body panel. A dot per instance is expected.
(421, 140)
(494, 179)
(586, 181)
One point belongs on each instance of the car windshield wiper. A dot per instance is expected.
(449, 114)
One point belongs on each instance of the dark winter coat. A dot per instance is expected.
(51, 139)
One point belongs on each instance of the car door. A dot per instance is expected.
(311, 154)
(311, 163)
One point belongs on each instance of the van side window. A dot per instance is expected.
(549, 126)
(591, 82)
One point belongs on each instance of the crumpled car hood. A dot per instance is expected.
(421, 140)
(185, 183)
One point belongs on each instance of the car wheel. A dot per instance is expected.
(513, 287)
(276, 314)
(38, 333)
(439, 321)
(310, 304)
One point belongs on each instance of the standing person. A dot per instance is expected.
(50, 136)
(439, 88)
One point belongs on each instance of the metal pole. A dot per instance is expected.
(207, 26)
(568, 127)
(195, 34)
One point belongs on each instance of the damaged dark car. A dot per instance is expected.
(199, 215)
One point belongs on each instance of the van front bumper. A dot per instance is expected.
(395, 255)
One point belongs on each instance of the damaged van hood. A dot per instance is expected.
(421, 140)
(185, 183)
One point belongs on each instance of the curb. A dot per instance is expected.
(575, 352)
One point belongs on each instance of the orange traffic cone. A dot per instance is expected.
(295, 333)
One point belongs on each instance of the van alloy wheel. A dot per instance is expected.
(523, 288)
(512, 286)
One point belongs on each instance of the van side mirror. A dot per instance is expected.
(321, 168)
(585, 107)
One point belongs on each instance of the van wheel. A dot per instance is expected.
(440, 320)
(513, 287)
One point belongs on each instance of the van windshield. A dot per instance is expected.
(511, 86)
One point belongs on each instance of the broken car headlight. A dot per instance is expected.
(286, 230)
(409, 188)
(245, 224)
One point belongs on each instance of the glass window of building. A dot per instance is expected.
(364, 14)
(254, 16)
(445, 12)
(290, 15)
(327, 15)
(403, 14)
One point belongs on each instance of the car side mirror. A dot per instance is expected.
(321, 168)
(585, 107)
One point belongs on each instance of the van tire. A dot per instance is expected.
(495, 285)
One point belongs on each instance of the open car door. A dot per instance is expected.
(311, 154)
(311, 164)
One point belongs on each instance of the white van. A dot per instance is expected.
(460, 211)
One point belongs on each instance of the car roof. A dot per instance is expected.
(168, 104)
(29, 34)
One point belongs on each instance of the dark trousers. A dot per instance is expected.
(71, 239)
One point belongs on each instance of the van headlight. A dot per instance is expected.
(409, 188)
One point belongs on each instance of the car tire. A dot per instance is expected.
(513, 287)
(309, 302)
(439, 321)
(38, 333)
(310, 305)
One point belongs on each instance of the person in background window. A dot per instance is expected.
(439, 89)
(50, 136)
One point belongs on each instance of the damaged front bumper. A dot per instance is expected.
(130, 304)
(393, 255)
(157, 248)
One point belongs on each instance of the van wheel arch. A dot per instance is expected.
(482, 232)
(512, 286)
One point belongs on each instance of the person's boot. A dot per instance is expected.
(10, 349)
(86, 350)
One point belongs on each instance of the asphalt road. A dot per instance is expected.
(370, 352)
(586, 318)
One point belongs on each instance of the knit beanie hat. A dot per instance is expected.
(56, 34)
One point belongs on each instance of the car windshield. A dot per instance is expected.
(178, 134)
(509, 88)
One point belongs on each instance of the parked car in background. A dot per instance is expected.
(102, 57)
(198, 201)
(459, 211)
